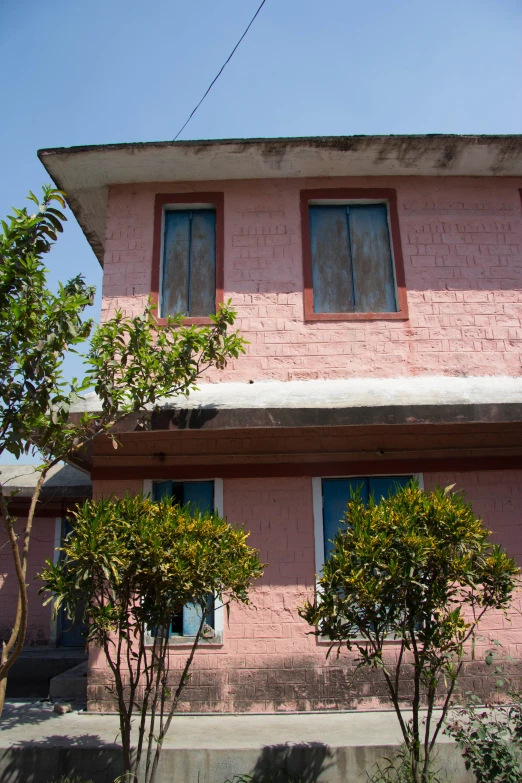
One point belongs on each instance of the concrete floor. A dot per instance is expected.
(36, 744)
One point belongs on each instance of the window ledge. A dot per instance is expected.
(189, 321)
(400, 316)
(184, 642)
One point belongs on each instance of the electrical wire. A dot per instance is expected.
(220, 71)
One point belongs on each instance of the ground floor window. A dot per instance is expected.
(331, 496)
(200, 496)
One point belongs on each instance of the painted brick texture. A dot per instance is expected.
(462, 245)
(42, 547)
(268, 660)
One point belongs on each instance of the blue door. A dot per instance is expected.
(71, 631)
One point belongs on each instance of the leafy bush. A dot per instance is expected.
(133, 564)
(491, 741)
(417, 567)
(398, 769)
(490, 736)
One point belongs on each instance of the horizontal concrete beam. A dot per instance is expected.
(351, 402)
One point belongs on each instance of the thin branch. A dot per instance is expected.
(445, 706)
(182, 682)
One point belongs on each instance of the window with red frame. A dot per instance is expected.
(353, 266)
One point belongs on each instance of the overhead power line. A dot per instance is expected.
(220, 71)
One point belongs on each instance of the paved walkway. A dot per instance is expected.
(36, 722)
(36, 744)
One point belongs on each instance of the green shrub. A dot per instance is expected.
(417, 567)
(132, 564)
(397, 769)
(490, 736)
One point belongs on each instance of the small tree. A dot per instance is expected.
(133, 564)
(131, 364)
(416, 567)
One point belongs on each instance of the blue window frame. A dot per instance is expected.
(200, 495)
(188, 280)
(337, 493)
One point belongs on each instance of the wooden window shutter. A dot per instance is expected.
(352, 265)
(338, 491)
(381, 486)
(371, 259)
(189, 263)
(336, 494)
(331, 262)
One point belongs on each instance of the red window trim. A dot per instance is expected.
(161, 200)
(383, 194)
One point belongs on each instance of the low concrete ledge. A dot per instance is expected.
(313, 763)
(37, 745)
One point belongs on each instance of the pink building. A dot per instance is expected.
(378, 281)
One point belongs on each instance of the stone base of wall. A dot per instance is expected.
(302, 688)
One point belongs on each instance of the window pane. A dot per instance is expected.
(371, 259)
(331, 264)
(161, 489)
(200, 494)
(202, 291)
(381, 486)
(176, 242)
(192, 617)
(336, 494)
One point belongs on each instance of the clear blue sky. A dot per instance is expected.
(114, 71)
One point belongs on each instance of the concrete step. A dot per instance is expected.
(30, 675)
(71, 685)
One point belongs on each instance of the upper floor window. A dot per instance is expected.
(352, 267)
(187, 270)
(188, 280)
(352, 256)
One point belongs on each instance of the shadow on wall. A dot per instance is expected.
(46, 760)
(301, 763)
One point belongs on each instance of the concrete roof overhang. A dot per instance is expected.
(331, 421)
(63, 481)
(85, 173)
(352, 402)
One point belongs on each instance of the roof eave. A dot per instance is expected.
(85, 173)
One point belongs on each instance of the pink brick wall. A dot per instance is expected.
(268, 661)
(42, 547)
(496, 497)
(462, 243)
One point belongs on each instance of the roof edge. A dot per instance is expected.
(324, 141)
